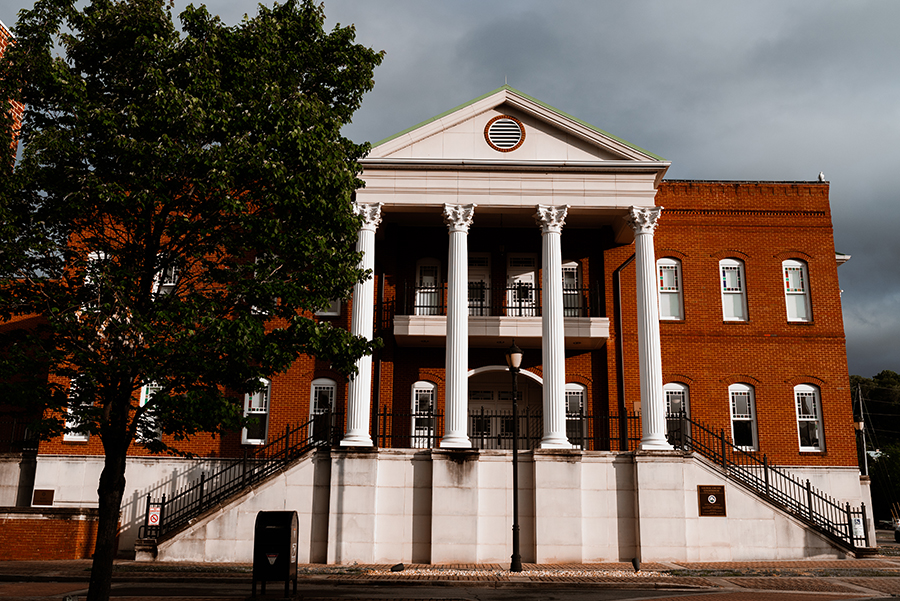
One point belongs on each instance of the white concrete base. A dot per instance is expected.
(448, 505)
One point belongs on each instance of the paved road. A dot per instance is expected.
(826, 580)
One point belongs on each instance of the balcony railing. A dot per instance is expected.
(492, 429)
(484, 300)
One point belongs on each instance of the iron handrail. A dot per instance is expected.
(165, 515)
(797, 497)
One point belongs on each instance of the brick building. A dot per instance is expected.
(677, 335)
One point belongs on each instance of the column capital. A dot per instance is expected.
(459, 217)
(643, 220)
(370, 212)
(551, 218)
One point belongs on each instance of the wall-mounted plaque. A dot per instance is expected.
(42, 498)
(711, 500)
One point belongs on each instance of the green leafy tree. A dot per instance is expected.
(878, 398)
(181, 204)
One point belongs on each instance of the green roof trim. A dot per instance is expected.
(532, 99)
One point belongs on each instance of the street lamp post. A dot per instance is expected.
(514, 360)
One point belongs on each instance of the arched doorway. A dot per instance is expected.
(490, 423)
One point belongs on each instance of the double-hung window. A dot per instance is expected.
(809, 417)
(166, 278)
(256, 413)
(671, 304)
(743, 416)
(322, 394)
(72, 422)
(677, 403)
(734, 290)
(575, 423)
(148, 428)
(423, 434)
(796, 290)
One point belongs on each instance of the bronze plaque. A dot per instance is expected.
(711, 500)
(42, 497)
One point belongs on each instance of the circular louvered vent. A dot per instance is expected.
(504, 133)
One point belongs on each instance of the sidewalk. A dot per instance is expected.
(875, 577)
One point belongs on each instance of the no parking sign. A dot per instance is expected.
(153, 517)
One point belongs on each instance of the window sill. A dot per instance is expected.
(742, 322)
(801, 323)
(811, 452)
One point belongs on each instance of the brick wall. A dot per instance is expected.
(47, 534)
(762, 223)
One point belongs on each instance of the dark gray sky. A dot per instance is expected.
(763, 90)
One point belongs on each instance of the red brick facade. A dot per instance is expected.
(47, 534)
(760, 223)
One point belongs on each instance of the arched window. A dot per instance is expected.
(671, 304)
(734, 290)
(321, 398)
(428, 287)
(796, 290)
(677, 401)
(423, 405)
(809, 417)
(743, 416)
(575, 407)
(256, 411)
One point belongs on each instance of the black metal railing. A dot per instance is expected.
(492, 429)
(165, 515)
(484, 300)
(796, 496)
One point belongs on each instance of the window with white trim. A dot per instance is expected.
(428, 299)
(796, 290)
(743, 416)
(671, 304)
(148, 429)
(809, 417)
(332, 310)
(575, 396)
(93, 272)
(166, 278)
(423, 397)
(571, 274)
(256, 412)
(734, 290)
(72, 421)
(322, 396)
(677, 401)
(321, 399)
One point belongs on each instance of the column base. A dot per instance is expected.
(456, 442)
(655, 444)
(555, 442)
(356, 440)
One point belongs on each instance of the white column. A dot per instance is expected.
(359, 394)
(456, 401)
(553, 346)
(653, 402)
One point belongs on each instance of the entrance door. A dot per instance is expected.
(521, 282)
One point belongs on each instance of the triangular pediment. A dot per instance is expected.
(548, 135)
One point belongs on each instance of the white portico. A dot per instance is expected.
(506, 161)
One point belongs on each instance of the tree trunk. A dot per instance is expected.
(110, 492)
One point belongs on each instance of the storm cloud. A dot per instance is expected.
(725, 90)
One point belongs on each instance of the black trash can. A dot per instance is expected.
(275, 548)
